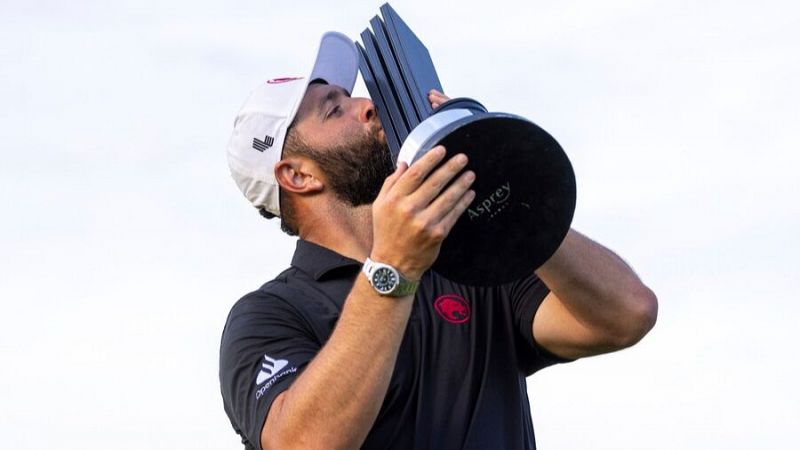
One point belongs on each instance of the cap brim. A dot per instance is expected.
(337, 61)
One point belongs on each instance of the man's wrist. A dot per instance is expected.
(387, 280)
(409, 271)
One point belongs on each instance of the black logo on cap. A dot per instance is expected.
(260, 145)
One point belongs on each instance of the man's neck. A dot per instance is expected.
(344, 229)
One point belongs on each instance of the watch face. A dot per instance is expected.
(384, 279)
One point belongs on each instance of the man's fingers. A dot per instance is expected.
(433, 93)
(452, 216)
(415, 175)
(436, 182)
(436, 98)
(449, 199)
(391, 180)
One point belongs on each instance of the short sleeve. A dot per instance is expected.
(265, 345)
(527, 296)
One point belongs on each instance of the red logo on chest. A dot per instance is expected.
(453, 308)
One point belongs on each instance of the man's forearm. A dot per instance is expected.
(336, 400)
(600, 290)
(334, 403)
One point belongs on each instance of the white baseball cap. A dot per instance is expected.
(259, 130)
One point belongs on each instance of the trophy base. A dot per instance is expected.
(525, 192)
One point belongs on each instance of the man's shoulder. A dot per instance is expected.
(291, 297)
(287, 307)
(269, 298)
(272, 293)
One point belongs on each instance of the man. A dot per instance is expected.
(332, 354)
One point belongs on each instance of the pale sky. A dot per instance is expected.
(124, 242)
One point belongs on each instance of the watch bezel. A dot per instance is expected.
(377, 284)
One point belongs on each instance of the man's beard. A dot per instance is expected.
(356, 171)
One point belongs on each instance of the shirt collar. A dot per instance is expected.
(319, 261)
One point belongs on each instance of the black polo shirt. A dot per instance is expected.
(459, 380)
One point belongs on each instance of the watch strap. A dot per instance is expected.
(405, 287)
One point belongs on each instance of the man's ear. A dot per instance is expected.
(298, 175)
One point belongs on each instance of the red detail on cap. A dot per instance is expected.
(283, 80)
(453, 308)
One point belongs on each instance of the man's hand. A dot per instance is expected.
(414, 213)
(436, 98)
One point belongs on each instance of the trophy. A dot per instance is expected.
(525, 185)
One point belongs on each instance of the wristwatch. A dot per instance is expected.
(387, 280)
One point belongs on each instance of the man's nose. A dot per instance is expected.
(366, 110)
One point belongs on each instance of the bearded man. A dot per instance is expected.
(358, 344)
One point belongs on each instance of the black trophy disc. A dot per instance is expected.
(525, 192)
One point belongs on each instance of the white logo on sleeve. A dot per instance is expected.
(269, 368)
